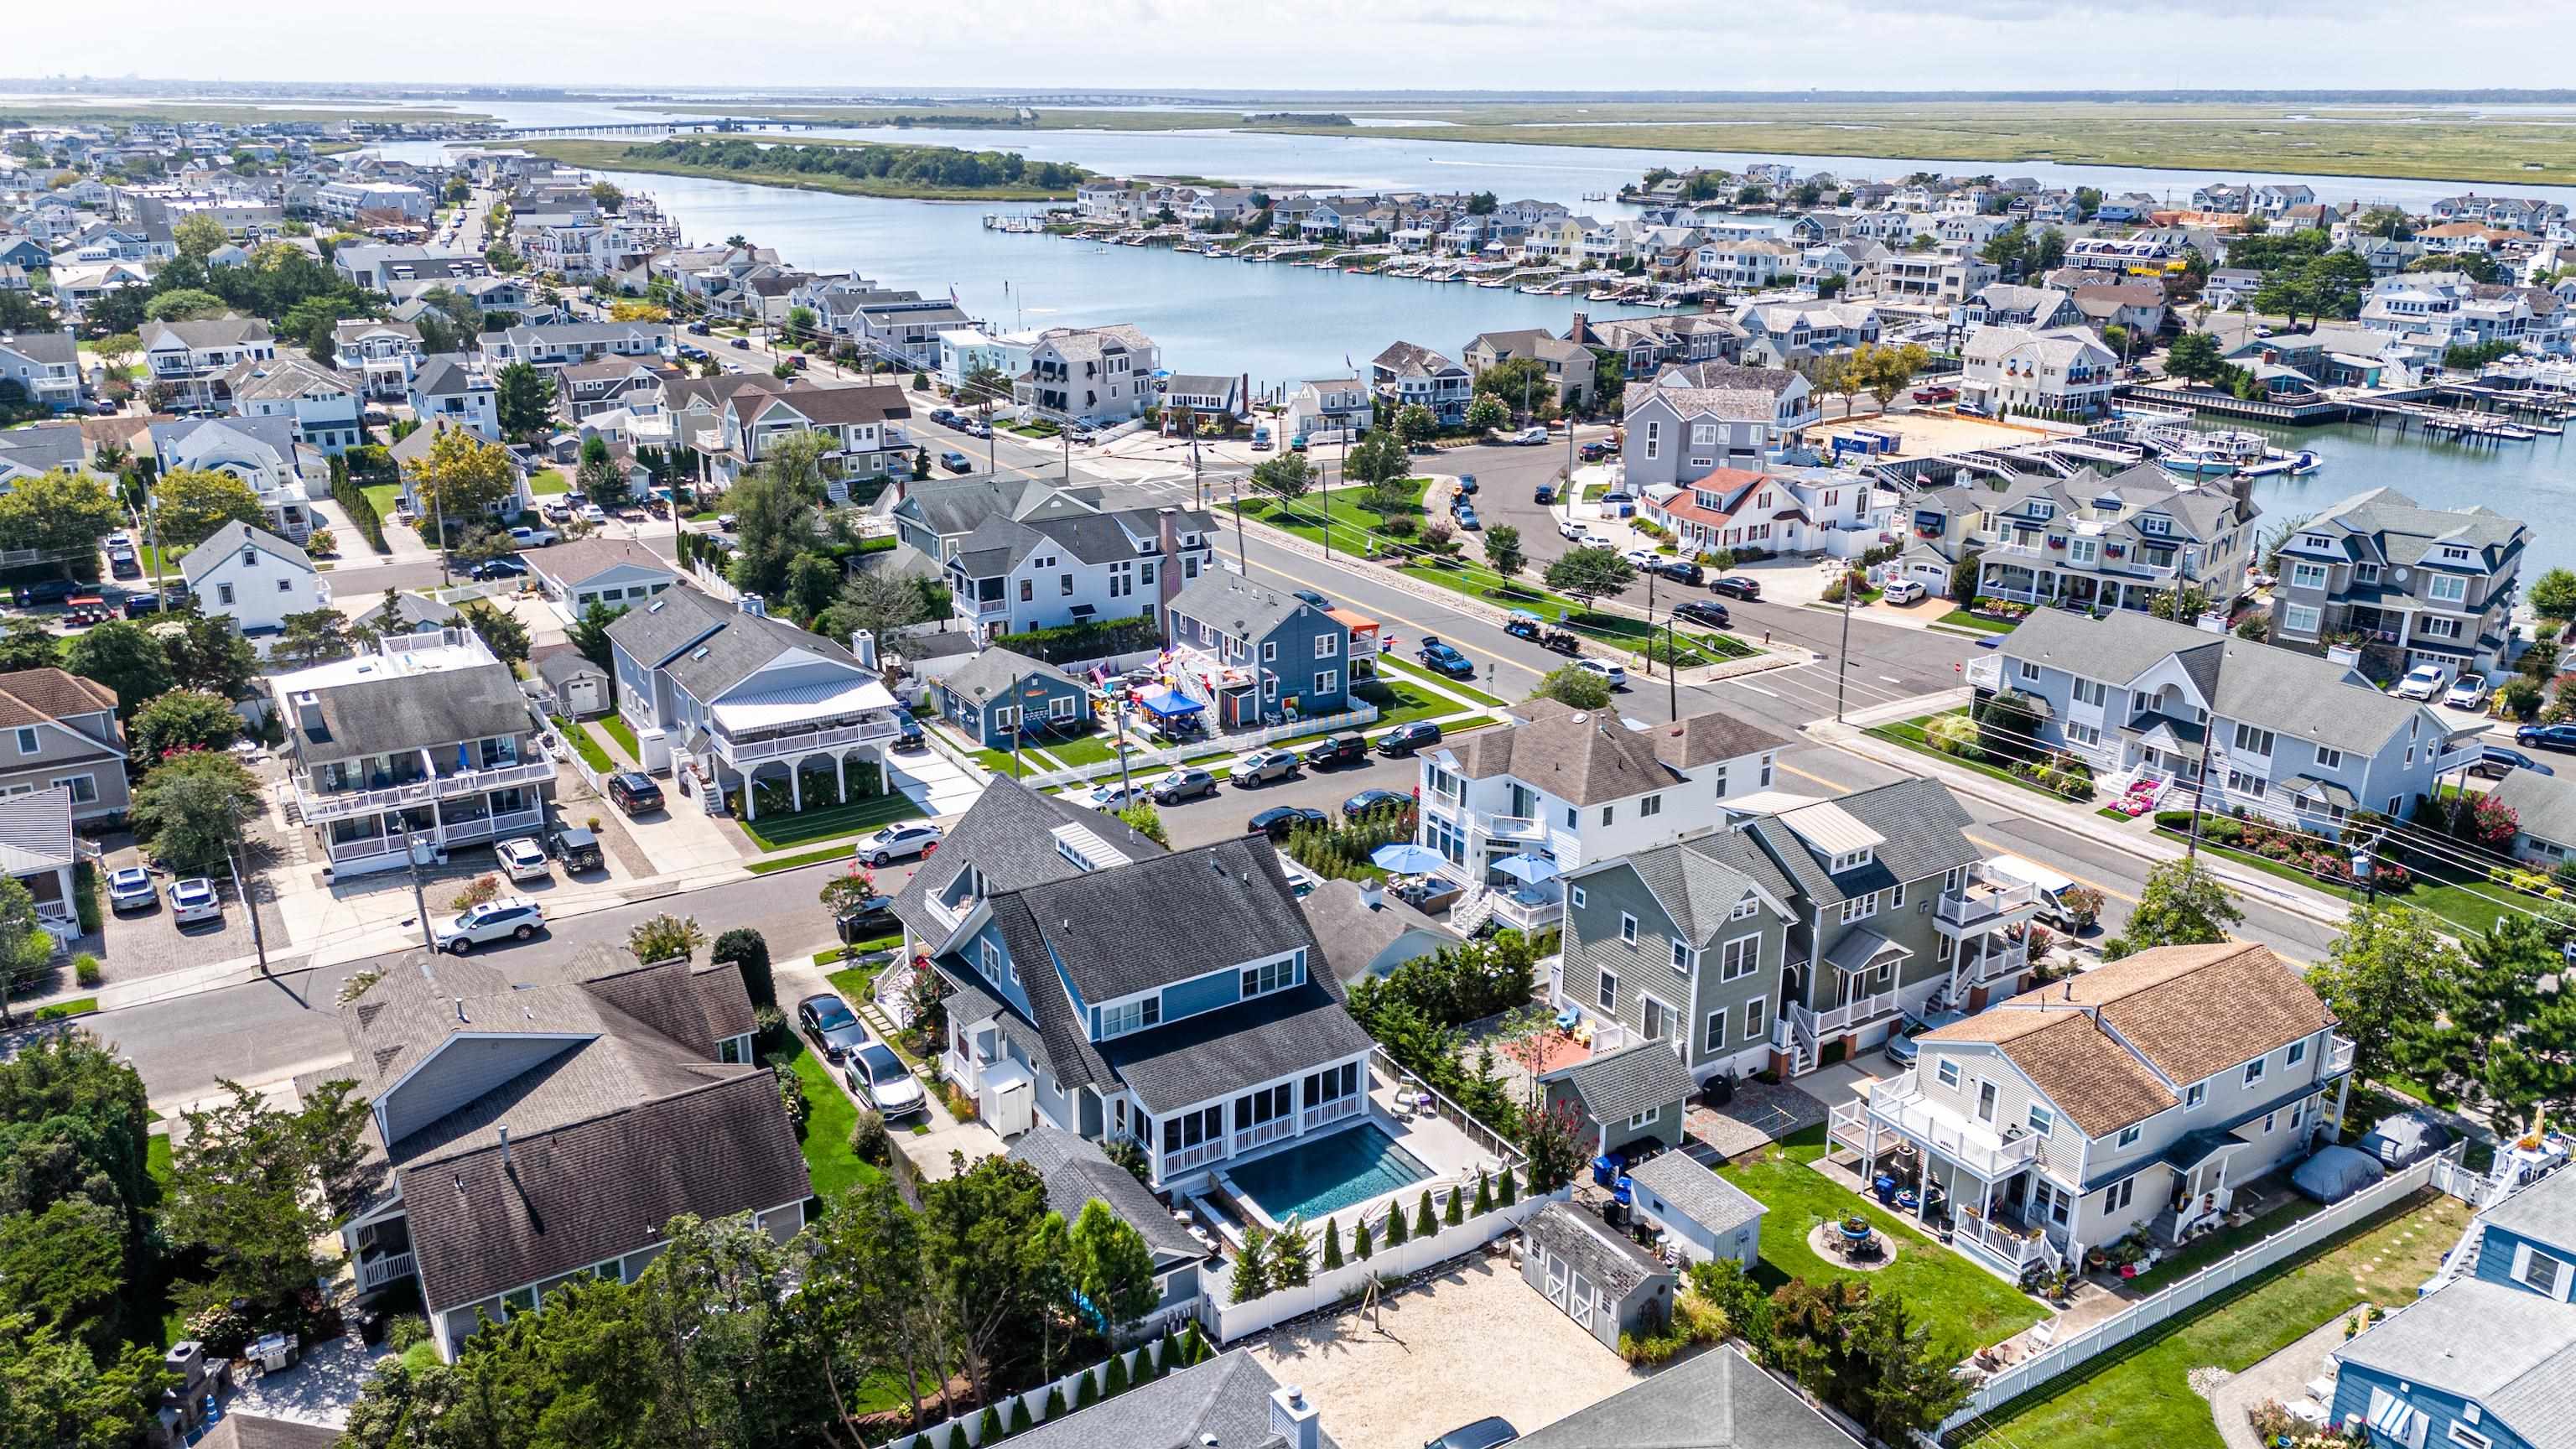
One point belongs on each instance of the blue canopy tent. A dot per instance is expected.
(1170, 704)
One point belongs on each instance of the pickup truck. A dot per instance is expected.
(526, 537)
(1936, 394)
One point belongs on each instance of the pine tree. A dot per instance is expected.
(1252, 1267)
(1509, 1193)
(1426, 1222)
(1332, 1244)
(1197, 1345)
(988, 1429)
(956, 1434)
(1054, 1403)
(1020, 1414)
(1455, 1213)
(1117, 1377)
(1361, 1245)
(1484, 1193)
(1291, 1256)
(1086, 1392)
(1394, 1226)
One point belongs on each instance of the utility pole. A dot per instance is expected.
(1842, 655)
(250, 907)
(1672, 671)
(1243, 564)
(419, 896)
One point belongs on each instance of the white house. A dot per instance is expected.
(262, 452)
(324, 403)
(1327, 403)
(1794, 511)
(452, 391)
(2066, 371)
(1095, 375)
(191, 358)
(253, 577)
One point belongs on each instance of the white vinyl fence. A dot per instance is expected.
(1400, 1260)
(2183, 1297)
(936, 1436)
(1139, 762)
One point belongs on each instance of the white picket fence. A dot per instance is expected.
(2180, 1299)
(1234, 1320)
(936, 1436)
(1141, 761)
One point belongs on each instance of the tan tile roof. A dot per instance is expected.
(2188, 1012)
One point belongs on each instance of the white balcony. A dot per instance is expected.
(742, 754)
(1330, 1112)
(1512, 827)
(1985, 902)
(343, 804)
(1834, 1021)
(2000, 960)
(1937, 1127)
(2014, 1248)
(2339, 1054)
(375, 1273)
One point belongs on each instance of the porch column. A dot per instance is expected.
(796, 786)
(750, 805)
(2343, 1090)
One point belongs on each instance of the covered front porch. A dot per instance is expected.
(1984, 1192)
(782, 751)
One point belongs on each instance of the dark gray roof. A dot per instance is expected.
(1144, 925)
(225, 543)
(1352, 932)
(1604, 1256)
(1917, 821)
(560, 664)
(411, 711)
(1077, 1171)
(411, 611)
(1005, 834)
(252, 1431)
(1236, 605)
(2510, 1350)
(1700, 882)
(45, 446)
(1226, 1399)
(2403, 532)
(2117, 649)
(1628, 1081)
(1717, 1400)
(1695, 1192)
(1218, 1053)
(708, 647)
(443, 376)
(992, 674)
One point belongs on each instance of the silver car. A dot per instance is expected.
(884, 1082)
(1263, 767)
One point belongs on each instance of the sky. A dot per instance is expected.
(1145, 45)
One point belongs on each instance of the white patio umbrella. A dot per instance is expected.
(1528, 869)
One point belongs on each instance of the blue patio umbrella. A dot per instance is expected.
(1528, 869)
(1406, 858)
(1527, 616)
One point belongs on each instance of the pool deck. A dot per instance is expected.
(1440, 1146)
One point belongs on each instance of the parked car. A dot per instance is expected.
(1114, 796)
(2499, 761)
(1970, 410)
(2547, 737)
(2470, 692)
(1279, 821)
(574, 845)
(900, 842)
(910, 740)
(1617, 496)
(1309, 596)
(1467, 484)
(1679, 570)
(1263, 766)
(1593, 452)
(634, 792)
(1902, 591)
(1614, 675)
(1569, 530)
(1735, 586)
(725, 522)
(1468, 520)
(194, 899)
(1404, 739)
(1368, 800)
(1702, 611)
(124, 566)
(1641, 558)
(1544, 494)
(129, 888)
(1490, 1433)
(1185, 783)
(1530, 437)
(511, 918)
(526, 537)
(46, 592)
(1900, 1044)
(884, 1082)
(507, 566)
(592, 513)
(523, 859)
(955, 462)
(1936, 394)
(700, 329)
(945, 417)
(829, 1023)
(741, 342)
(143, 605)
(555, 510)
(1441, 658)
(2424, 681)
(1339, 750)
(867, 920)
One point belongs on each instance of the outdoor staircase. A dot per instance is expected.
(2462, 1260)
(1471, 910)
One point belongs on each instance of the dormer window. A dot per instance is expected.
(1852, 859)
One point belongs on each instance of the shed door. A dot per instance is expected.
(1555, 1279)
(1580, 1301)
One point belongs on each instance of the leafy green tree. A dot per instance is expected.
(525, 400)
(315, 634)
(241, 1188)
(1576, 687)
(209, 654)
(2501, 1033)
(747, 951)
(1112, 1267)
(192, 810)
(1909, 1383)
(498, 628)
(2553, 594)
(666, 937)
(1414, 423)
(463, 478)
(1285, 477)
(775, 522)
(1503, 550)
(2386, 976)
(1487, 412)
(184, 304)
(26, 643)
(64, 1268)
(55, 1394)
(1586, 574)
(813, 581)
(589, 634)
(191, 503)
(2181, 905)
(1377, 463)
(179, 720)
(869, 1289)
(978, 1226)
(2195, 357)
(26, 948)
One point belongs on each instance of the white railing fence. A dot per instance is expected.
(1069, 1387)
(2191, 1292)
(1139, 761)
(1324, 1289)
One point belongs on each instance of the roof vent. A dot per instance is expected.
(1578, 716)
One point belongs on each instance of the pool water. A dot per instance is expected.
(1326, 1174)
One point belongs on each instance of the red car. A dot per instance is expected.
(1936, 394)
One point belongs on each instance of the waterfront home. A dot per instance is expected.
(2447, 308)
(190, 358)
(1093, 376)
(2436, 584)
(1949, 274)
(2013, 304)
(1744, 265)
(1251, 653)
(1826, 924)
(1572, 787)
(2521, 213)
(2137, 306)
(2117, 541)
(286, 473)
(1784, 334)
(737, 701)
(856, 422)
(1324, 404)
(1021, 555)
(46, 367)
(347, 200)
(64, 735)
(2285, 735)
(2144, 254)
(534, 1131)
(1087, 995)
(1646, 344)
(415, 747)
(252, 577)
(1408, 374)
(965, 351)
(1206, 395)
(1569, 364)
(2223, 197)
(323, 401)
(2274, 200)
(2065, 372)
(1806, 510)
(1706, 415)
(2142, 1094)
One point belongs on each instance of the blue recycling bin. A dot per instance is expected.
(1885, 1188)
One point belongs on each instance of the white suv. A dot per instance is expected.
(511, 918)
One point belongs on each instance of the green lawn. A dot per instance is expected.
(2208, 1248)
(2441, 893)
(624, 733)
(1910, 734)
(77, 1006)
(2141, 1393)
(1389, 665)
(1617, 630)
(791, 862)
(1089, 749)
(1353, 527)
(588, 748)
(1962, 619)
(1965, 1306)
(1401, 703)
(777, 832)
(384, 498)
(827, 1131)
(546, 482)
(852, 982)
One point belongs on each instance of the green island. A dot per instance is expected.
(127, 113)
(852, 168)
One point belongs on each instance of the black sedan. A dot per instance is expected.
(1368, 800)
(2547, 737)
(1735, 586)
(835, 1029)
(1404, 739)
(867, 920)
(507, 566)
(1702, 611)
(1679, 570)
(1280, 821)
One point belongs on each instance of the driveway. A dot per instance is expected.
(936, 783)
(1393, 1377)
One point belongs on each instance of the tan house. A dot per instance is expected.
(1569, 364)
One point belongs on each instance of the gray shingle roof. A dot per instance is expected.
(1225, 1400)
(1077, 1171)
(1352, 932)
(991, 674)
(1718, 1400)
(2512, 1351)
(1695, 1192)
(1699, 882)
(1005, 834)
(251, 1431)
(1143, 925)
(411, 711)
(225, 543)
(708, 647)
(2403, 531)
(1604, 1256)
(1628, 1081)
(1235, 605)
(2544, 1212)
(1917, 821)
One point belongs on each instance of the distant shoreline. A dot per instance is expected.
(612, 156)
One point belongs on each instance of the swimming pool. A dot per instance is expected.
(1326, 1174)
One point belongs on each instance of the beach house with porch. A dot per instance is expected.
(2144, 1093)
(419, 745)
(532, 1132)
(2112, 542)
(2290, 736)
(750, 706)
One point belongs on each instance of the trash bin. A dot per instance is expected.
(371, 1328)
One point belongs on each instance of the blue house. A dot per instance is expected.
(2486, 1359)
(1252, 651)
(997, 694)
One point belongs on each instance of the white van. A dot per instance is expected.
(2051, 886)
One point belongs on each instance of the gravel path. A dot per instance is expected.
(2283, 1376)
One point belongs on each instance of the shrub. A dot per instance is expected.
(868, 1140)
(85, 969)
(988, 1429)
(1506, 1191)
(1054, 1403)
(1361, 1247)
(1117, 1377)
(481, 889)
(1332, 1244)
(405, 1331)
(1454, 1214)
(748, 950)
(1484, 1193)
(791, 1099)
(1085, 1393)
(1955, 734)
(1019, 1414)
(956, 1434)
(768, 1027)
(223, 1332)
(2519, 698)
